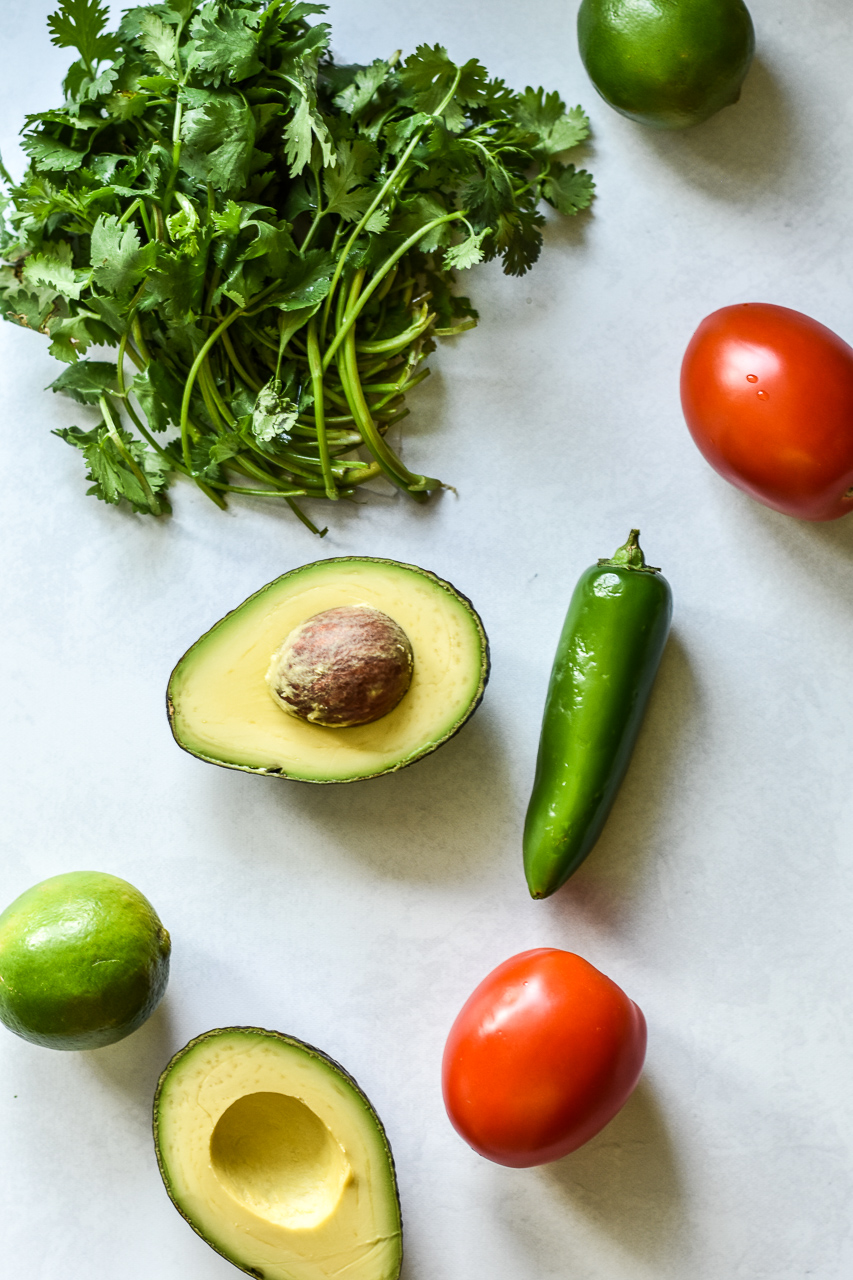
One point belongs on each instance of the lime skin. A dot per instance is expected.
(84, 960)
(666, 63)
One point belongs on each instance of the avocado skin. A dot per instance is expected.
(313, 1052)
(395, 768)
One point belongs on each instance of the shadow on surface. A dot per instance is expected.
(568, 231)
(135, 1063)
(436, 821)
(742, 150)
(818, 544)
(606, 884)
(626, 1180)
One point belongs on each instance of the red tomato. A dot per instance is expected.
(768, 396)
(541, 1057)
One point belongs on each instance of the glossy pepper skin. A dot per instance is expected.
(606, 661)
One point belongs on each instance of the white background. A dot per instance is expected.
(360, 917)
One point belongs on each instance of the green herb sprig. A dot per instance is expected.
(268, 238)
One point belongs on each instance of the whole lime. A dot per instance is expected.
(666, 63)
(84, 960)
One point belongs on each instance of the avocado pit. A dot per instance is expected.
(346, 666)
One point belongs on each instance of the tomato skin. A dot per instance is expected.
(767, 394)
(540, 1058)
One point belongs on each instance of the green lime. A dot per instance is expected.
(666, 63)
(84, 960)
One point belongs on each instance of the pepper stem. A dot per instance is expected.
(630, 556)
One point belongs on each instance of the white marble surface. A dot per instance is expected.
(360, 917)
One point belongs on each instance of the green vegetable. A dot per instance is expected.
(606, 661)
(268, 238)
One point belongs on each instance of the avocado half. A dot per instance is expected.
(273, 1154)
(220, 708)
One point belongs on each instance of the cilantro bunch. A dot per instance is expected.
(268, 238)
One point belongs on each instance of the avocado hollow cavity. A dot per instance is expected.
(275, 1157)
(346, 666)
(219, 701)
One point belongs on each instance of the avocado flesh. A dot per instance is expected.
(219, 703)
(276, 1158)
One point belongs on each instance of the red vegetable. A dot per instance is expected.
(767, 393)
(541, 1057)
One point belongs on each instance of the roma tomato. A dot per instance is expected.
(767, 393)
(541, 1057)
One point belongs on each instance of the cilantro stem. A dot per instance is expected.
(191, 378)
(140, 340)
(258, 493)
(317, 216)
(123, 350)
(176, 157)
(394, 469)
(207, 387)
(262, 474)
(316, 367)
(259, 337)
(130, 211)
(209, 382)
(396, 389)
(386, 191)
(369, 473)
(249, 379)
(309, 524)
(391, 346)
(352, 314)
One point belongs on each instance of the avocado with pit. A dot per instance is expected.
(273, 1154)
(340, 670)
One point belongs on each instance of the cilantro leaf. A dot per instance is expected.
(545, 116)
(518, 239)
(345, 194)
(305, 125)
(306, 282)
(569, 190)
(176, 284)
(488, 196)
(359, 93)
(219, 136)
(79, 24)
(160, 41)
(81, 85)
(427, 76)
(159, 393)
(468, 253)
(120, 468)
(274, 415)
(54, 268)
(118, 259)
(86, 381)
(225, 44)
(49, 154)
(72, 335)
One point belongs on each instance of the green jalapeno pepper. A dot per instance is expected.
(609, 650)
